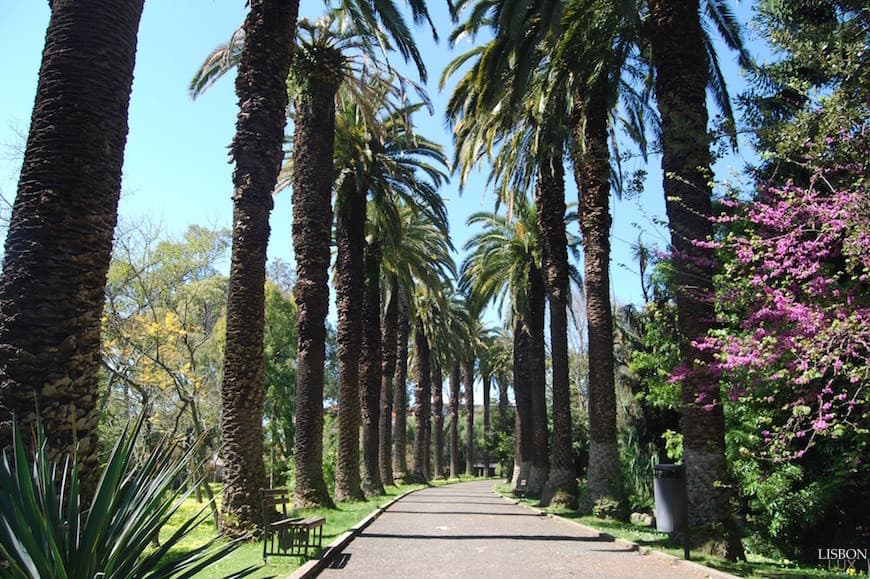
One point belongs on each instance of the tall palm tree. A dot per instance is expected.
(388, 374)
(400, 387)
(261, 85)
(454, 418)
(504, 264)
(422, 401)
(437, 416)
(530, 149)
(59, 242)
(317, 74)
(376, 22)
(682, 72)
(370, 369)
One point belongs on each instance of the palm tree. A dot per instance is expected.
(272, 17)
(261, 85)
(529, 142)
(59, 242)
(400, 386)
(454, 419)
(682, 65)
(504, 264)
(437, 415)
(422, 397)
(370, 369)
(388, 374)
(317, 73)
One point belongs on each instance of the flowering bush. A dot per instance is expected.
(794, 301)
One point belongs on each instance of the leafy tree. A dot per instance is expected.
(59, 242)
(280, 350)
(162, 339)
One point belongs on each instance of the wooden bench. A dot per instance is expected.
(287, 536)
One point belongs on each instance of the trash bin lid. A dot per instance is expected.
(667, 470)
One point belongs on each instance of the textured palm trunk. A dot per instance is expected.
(400, 390)
(370, 371)
(537, 299)
(550, 200)
(422, 394)
(388, 372)
(437, 419)
(454, 420)
(503, 402)
(349, 281)
(59, 242)
(592, 174)
(261, 86)
(468, 384)
(523, 376)
(487, 384)
(312, 221)
(681, 81)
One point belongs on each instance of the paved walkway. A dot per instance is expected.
(465, 530)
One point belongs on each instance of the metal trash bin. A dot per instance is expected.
(669, 488)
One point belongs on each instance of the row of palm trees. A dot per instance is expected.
(556, 80)
(547, 87)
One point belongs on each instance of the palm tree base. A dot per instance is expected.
(603, 478)
(713, 528)
(520, 477)
(538, 476)
(560, 489)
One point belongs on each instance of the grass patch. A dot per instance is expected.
(756, 567)
(250, 554)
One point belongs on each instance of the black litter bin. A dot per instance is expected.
(669, 487)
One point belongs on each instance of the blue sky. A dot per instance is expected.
(176, 171)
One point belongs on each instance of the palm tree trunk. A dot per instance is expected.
(370, 370)
(592, 173)
(468, 379)
(349, 282)
(523, 376)
(59, 242)
(537, 299)
(312, 222)
(454, 420)
(550, 200)
(400, 389)
(681, 80)
(261, 85)
(487, 385)
(388, 371)
(438, 418)
(422, 394)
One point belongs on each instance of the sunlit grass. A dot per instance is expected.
(250, 554)
(756, 566)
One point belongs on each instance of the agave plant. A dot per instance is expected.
(47, 531)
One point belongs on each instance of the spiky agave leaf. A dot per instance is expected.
(46, 531)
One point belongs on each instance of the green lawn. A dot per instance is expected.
(755, 567)
(250, 554)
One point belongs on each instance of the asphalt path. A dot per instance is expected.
(465, 530)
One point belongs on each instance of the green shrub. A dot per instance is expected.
(46, 531)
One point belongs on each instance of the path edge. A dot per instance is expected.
(314, 566)
(709, 571)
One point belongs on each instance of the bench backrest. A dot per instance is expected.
(274, 504)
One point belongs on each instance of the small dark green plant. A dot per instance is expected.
(608, 508)
(46, 531)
